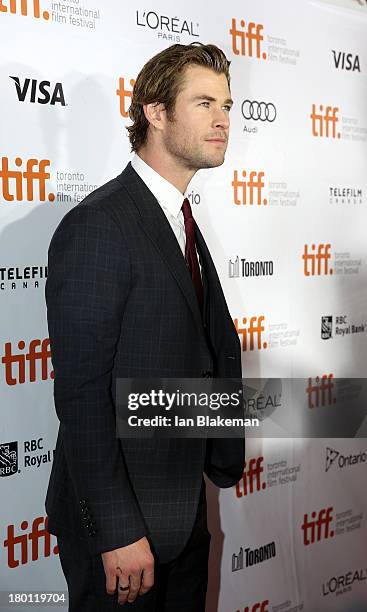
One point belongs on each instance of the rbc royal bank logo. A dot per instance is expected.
(326, 327)
(8, 459)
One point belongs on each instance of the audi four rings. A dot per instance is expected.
(263, 111)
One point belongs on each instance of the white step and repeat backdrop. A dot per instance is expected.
(285, 218)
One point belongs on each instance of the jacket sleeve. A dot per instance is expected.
(86, 291)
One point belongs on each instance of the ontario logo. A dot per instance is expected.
(334, 457)
(8, 459)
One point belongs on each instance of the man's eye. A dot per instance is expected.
(205, 103)
(227, 107)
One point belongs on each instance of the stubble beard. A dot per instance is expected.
(188, 153)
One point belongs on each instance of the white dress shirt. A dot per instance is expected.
(168, 196)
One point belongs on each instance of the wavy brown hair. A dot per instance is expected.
(160, 81)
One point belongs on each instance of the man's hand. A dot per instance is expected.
(133, 567)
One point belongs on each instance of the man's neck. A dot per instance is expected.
(168, 168)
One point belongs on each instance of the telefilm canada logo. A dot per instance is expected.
(247, 557)
(339, 194)
(41, 92)
(22, 277)
(8, 459)
(167, 27)
(244, 268)
(337, 459)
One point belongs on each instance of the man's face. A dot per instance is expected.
(197, 135)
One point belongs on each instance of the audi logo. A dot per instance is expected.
(259, 111)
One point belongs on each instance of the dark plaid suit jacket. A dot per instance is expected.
(121, 303)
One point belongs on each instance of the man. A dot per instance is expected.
(130, 515)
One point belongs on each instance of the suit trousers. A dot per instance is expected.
(179, 585)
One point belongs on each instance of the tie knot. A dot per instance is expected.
(186, 209)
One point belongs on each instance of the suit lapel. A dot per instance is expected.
(156, 226)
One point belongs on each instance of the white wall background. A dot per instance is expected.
(304, 180)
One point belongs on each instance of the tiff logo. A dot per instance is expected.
(247, 37)
(320, 393)
(321, 121)
(322, 257)
(250, 190)
(254, 329)
(260, 606)
(43, 87)
(124, 95)
(37, 533)
(31, 177)
(22, 7)
(251, 480)
(319, 527)
(43, 355)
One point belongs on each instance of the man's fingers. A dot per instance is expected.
(111, 582)
(135, 583)
(147, 579)
(123, 582)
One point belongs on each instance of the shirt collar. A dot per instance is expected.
(168, 196)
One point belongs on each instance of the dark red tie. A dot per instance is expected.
(190, 251)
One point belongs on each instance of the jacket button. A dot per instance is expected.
(207, 374)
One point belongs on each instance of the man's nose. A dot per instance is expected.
(221, 119)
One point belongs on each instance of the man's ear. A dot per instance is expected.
(155, 114)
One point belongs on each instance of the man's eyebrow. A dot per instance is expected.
(211, 99)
